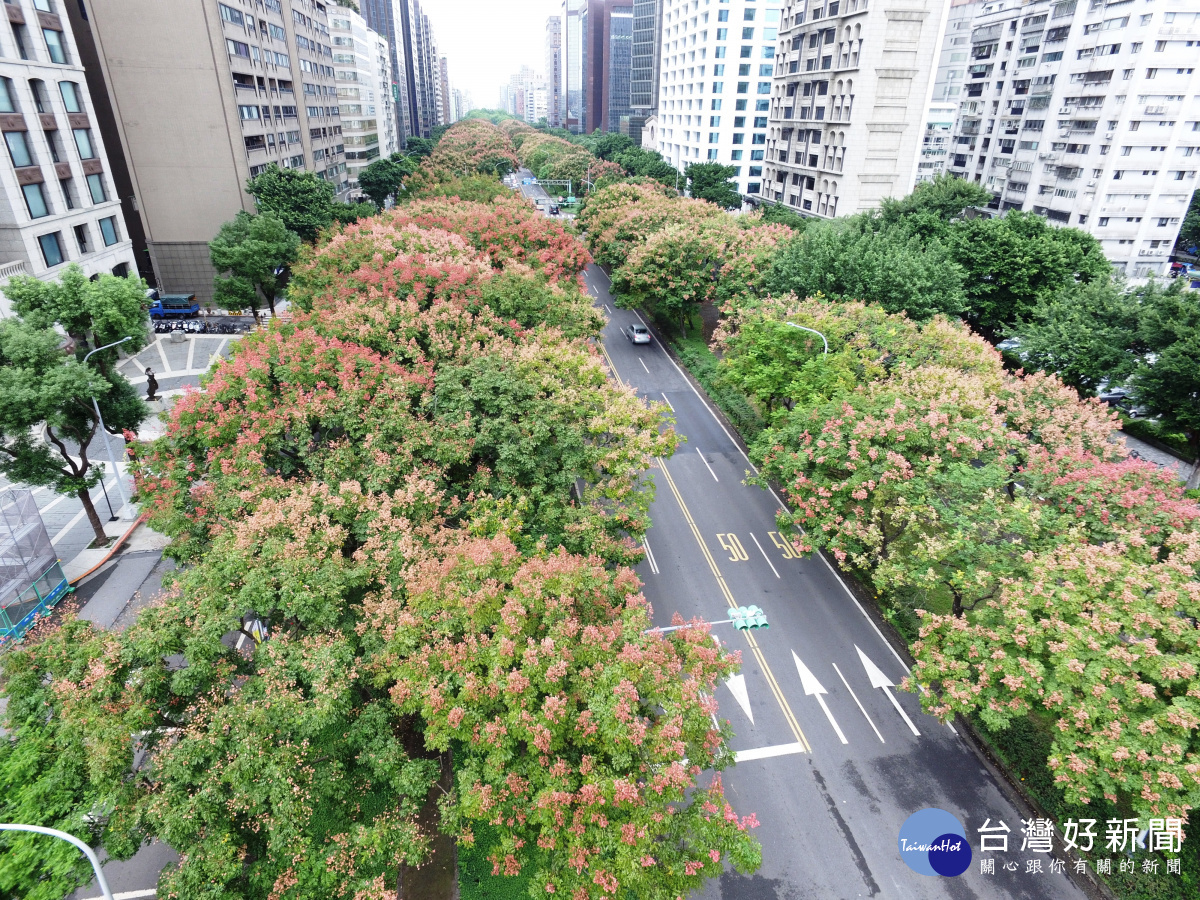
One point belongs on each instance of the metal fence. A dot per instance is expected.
(31, 579)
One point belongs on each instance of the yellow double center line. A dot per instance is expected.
(754, 648)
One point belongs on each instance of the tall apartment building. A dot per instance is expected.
(644, 65)
(554, 72)
(1087, 113)
(852, 86)
(447, 108)
(575, 53)
(59, 203)
(712, 57)
(386, 18)
(462, 104)
(362, 63)
(203, 95)
(947, 86)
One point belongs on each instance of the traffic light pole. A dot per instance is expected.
(742, 618)
(670, 628)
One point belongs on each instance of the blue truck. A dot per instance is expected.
(164, 306)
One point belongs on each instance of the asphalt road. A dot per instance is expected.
(831, 780)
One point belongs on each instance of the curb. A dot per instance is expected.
(112, 551)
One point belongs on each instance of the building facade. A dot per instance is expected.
(717, 72)
(1087, 114)
(617, 52)
(447, 107)
(575, 64)
(644, 65)
(554, 72)
(258, 84)
(947, 86)
(362, 61)
(386, 18)
(60, 203)
(851, 89)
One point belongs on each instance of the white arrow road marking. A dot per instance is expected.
(764, 553)
(707, 466)
(650, 557)
(860, 706)
(879, 680)
(737, 687)
(767, 752)
(813, 688)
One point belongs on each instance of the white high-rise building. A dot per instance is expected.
(848, 112)
(947, 86)
(716, 71)
(362, 66)
(1087, 113)
(58, 202)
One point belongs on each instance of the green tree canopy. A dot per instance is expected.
(713, 182)
(779, 214)
(385, 176)
(1012, 261)
(1189, 231)
(301, 200)
(419, 147)
(849, 259)
(43, 384)
(256, 251)
(932, 204)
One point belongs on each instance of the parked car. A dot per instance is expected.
(637, 334)
(1011, 343)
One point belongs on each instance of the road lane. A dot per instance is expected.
(830, 815)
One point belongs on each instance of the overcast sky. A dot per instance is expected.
(486, 41)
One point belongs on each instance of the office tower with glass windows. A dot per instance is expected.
(554, 72)
(61, 204)
(643, 76)
(716, 75)
(849, 104)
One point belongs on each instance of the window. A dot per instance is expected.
(748, 15)
(231, 15)
(51, 249)
(248, 112)
(739, 121)
(1052, 57)
(83, 141)
(743, 87)
(764, 87)
(712, 154)
(714, 137)
(762, 105)
(6, 101)
(759, 139)
(81, 239)
(108, 229)
(736, 154)
(54, 45)
(744, 70)
(714, 121)
(756, 154)
(716, 104)
(18, 148)
(766, 70)
(723, 16)
(768, 52)
(722, 34)
(277, 33)
(739, 138)
(237, 48)
(20, 35)
(96, 186)
(760, 121)
(719, 53)
(70, 95)
(718, 87)
(719, 70)
(745, 53)
(747, 34)
(43, 5)
(35, 200)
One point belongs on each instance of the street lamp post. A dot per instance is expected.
(813, 331)
(88, 851)
(104, 431)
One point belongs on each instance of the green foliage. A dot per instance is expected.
(47, 768)
(713, 182)
(385, 176)
(495, 116)
(721, 389)
(256, 251)
(641, 163)
(345, 213)
(419, 147)
(475, 871)
(301, 200)
(850, 259)
(43, 385)
(1012, 261)
(779, 214)
(1085, 334)
(1150, 431)
(932, 205)
(607, 145)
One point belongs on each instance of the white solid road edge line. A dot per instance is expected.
(131, 895)
(767, 752)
